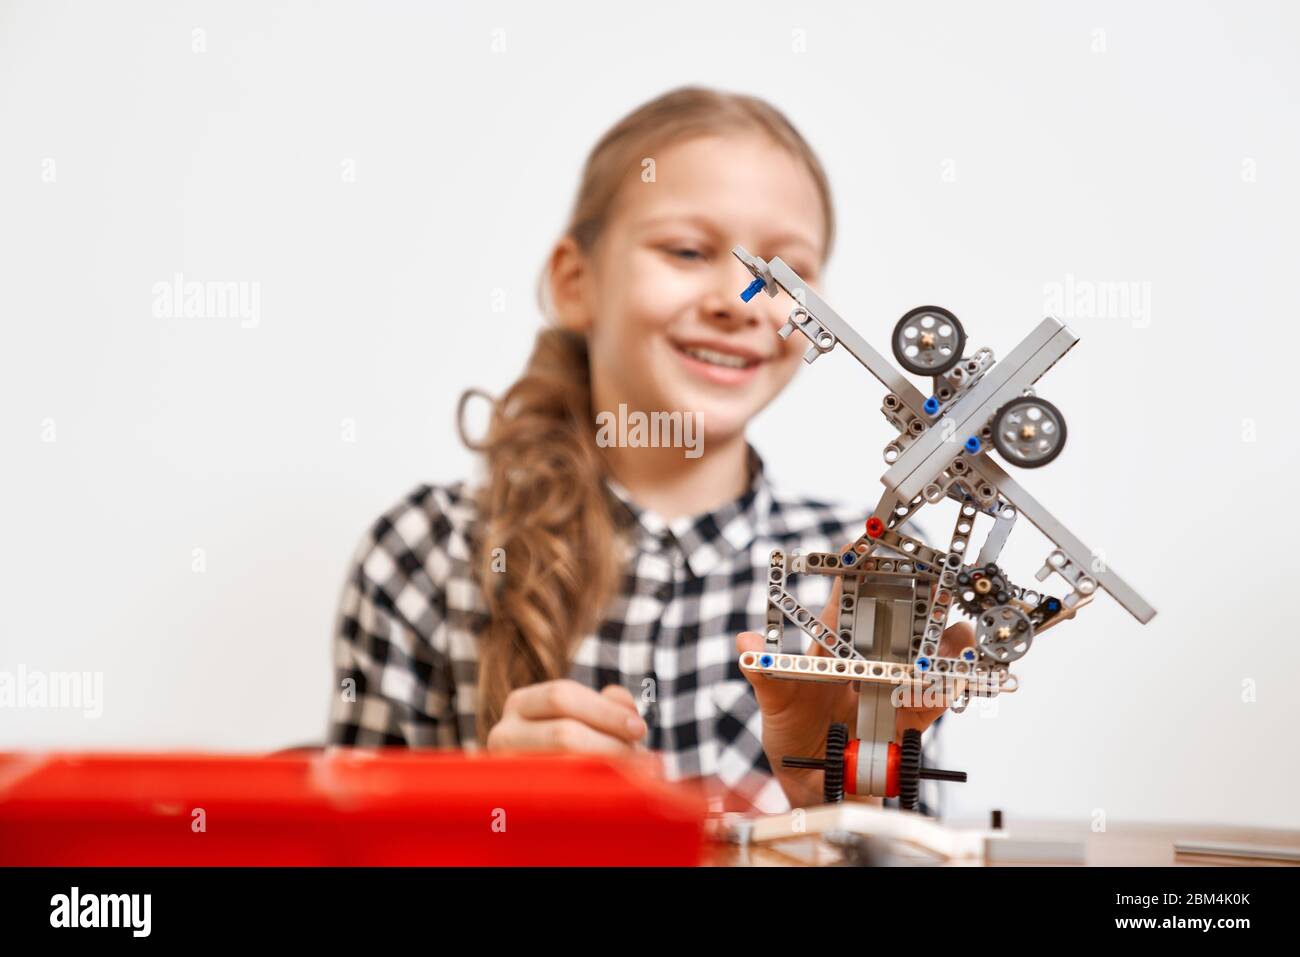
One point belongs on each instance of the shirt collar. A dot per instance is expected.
(708, 538)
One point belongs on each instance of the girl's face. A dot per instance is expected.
(660, 297)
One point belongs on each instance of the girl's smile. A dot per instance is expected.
(716, 360)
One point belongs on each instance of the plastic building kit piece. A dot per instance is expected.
(900, 591)
(865, 819)
(892, 838)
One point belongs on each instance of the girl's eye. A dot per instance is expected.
(688, 254)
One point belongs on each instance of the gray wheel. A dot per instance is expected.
(1004, 633)
(1029, 432)
(928, 340)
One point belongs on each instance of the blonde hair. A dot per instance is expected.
(543, 499)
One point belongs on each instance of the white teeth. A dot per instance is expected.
(717, 358)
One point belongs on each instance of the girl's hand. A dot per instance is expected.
(797, 714)
(564, 715)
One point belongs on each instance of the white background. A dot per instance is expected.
(978, 153)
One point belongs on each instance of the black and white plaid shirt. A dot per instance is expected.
(411, 610)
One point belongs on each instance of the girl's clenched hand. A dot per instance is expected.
(564, 715)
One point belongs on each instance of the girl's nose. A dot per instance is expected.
(724, 304)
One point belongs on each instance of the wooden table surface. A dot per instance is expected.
(1125, 844)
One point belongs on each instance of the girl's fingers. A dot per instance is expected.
(620, 695)
(772, 695)
(566, 734)
(565, 698)
(918, 719)
(956, 638)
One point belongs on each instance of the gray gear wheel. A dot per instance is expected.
(1029, 432)
(928, 340)
(1003, 633)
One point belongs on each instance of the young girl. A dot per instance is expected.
(594, 596)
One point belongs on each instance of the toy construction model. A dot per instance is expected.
(897, 590)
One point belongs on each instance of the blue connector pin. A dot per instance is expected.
(972, 445)
(751, 290)
(931, 406)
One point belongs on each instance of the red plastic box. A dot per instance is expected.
(388, 806)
